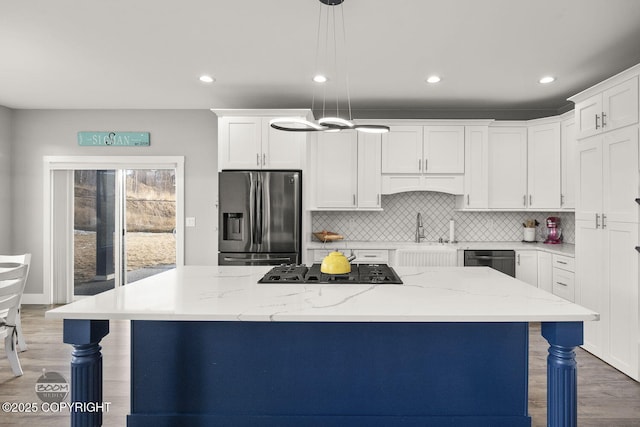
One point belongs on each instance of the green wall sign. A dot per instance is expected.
(127, 139)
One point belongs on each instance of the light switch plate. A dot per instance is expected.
(190, 221)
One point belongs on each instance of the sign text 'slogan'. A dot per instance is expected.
(127, 139)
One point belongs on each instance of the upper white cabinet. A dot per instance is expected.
(443, 149)
(249, 142)
(608, 180)
(402, 150)
(568, 151)
(347, 170)
(336, 170)
(476, 164)
(423, 149)
(423, 158)
(543, 166)
(507, 167)
(369, 170)
(613, 108)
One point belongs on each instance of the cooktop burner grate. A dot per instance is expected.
(360, 274)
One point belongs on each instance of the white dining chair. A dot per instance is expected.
(12, 280)
(20, 259)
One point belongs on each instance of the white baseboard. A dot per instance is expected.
(34, 299)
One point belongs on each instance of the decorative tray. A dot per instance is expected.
(327, 236)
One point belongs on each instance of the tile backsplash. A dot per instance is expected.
(397, 222)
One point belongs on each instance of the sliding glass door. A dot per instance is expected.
(124, 226)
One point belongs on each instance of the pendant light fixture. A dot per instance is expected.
(328, 42)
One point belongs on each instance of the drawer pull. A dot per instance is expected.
(369, 256)
(562, 284)
(561, 262)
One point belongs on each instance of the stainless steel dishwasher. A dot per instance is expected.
(504, 261)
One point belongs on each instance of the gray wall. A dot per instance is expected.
(5, 180)
(38, 133)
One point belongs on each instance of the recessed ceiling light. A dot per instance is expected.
(206, 79)
(433, 79)
(319, 78)
(547, 79)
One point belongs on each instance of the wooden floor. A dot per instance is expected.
(606, 397)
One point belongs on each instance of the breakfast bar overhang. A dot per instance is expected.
(211, 346)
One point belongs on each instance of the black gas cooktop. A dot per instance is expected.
(360, 274)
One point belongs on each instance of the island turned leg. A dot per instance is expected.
(562, 372)
(86, 367)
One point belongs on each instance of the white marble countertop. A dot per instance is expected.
(566, 249)
(429, 294)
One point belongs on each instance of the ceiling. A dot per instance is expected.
(87, 54)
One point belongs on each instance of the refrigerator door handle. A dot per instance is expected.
(259, 211)
(252, 211)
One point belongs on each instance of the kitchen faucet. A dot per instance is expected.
(419, 228)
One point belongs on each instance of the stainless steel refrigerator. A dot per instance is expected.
(260, 217)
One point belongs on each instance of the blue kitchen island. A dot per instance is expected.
(212, 347)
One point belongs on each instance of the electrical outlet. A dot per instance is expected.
(190, 221)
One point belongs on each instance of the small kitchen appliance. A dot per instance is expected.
(554, 232)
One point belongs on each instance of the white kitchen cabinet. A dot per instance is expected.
(347, 170)
(507, 167)
(336, 170)
(564, 277)
(369, 170)
(590, 289)
(607, 216)
(250, 143)
(402, 150)
(476, 152)
(608, 110)
(423, 150)
(568, 158)
(443, 149)
(543, 166)
(362, 256)
(527, 267)
(608, 180)
(607, 282)
(423, 158)
(545, 271)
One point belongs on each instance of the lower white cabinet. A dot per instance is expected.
(563, 277)
(363, 256)
(527, 267)
(545, 271)
(607, 282)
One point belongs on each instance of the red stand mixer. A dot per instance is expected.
(554, 232)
